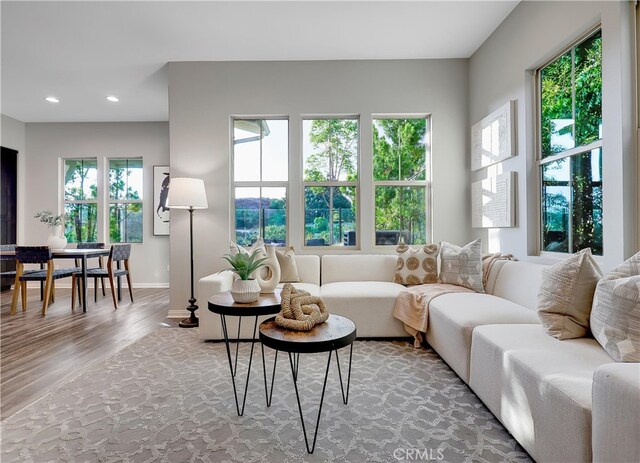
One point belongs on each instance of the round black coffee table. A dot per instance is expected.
(337, 332)
(224, 305)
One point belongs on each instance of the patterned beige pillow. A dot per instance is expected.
(288, 267)
(615, 316)
(462, 266)
(416, 266)
(566, 294)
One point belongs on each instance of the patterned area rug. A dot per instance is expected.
(168, 398)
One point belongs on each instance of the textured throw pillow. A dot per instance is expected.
(288, 267)
(615, 316)
(566, 294)
(416, 266)
(462, 266)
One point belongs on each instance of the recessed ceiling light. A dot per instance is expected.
(113, 99)
(52, 99)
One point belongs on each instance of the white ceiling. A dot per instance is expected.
(83, 51)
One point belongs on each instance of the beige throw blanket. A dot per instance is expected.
(412, 304)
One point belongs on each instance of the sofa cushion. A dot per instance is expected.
(311, 288)
(358, 267)
(452, 318)
(516, 281)
(368, 303)
(538, 386)
(566, 294)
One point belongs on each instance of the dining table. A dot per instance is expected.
(70, 253)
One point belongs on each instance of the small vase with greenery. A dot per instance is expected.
(56, 239)
(245, 289)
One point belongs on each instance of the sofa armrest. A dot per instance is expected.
(214, 284)
(616, 413)
(208, 286)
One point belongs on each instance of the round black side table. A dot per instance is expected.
(337, 332)
(224, 305)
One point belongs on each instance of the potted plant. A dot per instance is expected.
(245, 289)
(56, 239)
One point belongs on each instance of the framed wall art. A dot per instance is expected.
(493, 138)
(161, 179)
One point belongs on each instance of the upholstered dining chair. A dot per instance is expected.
(100, 265)
(119, 256)
(36, 255)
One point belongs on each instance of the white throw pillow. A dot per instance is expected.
(566, 294)
(288, 266)
(615, 316)
(462, 266)
(416, 266)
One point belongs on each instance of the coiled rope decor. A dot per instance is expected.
(300, 310)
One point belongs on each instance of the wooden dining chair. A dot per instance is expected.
(36, 255)
(118, 256)
(100, 266)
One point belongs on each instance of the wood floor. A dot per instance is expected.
(38, 354)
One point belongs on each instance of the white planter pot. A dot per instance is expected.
(245, 291)
(268, 285)
(56, 239)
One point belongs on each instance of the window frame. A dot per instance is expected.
(339, 183)
(568, 153)
(109, 201)
(97, 201)
(427, 183)
(258, 183)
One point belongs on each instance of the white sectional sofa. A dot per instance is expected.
(564, 401)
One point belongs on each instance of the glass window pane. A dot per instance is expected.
(247, 211)
(588, 82)
(82, 224)
(401, 212)
(572, 203)
(330, 149)
(274, 215)
(330, 216)
(246, 149)
(80, 179)
(275, 151)
(125, 179)
(399, 151)
(586, 189)
(125, 223)
(556, 105)
(556, 201)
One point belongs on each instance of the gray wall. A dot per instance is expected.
(12, 135)
(502, 70)
(48, 143)
(203, 96)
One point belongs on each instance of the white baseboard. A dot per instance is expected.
(178, 313)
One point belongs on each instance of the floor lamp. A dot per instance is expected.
(188, 193)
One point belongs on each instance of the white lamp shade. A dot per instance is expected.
(187, 193)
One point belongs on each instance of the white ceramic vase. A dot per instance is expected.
(56, 239)
(269, 284)
(245, 291)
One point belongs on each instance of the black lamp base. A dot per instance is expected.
(192, 321)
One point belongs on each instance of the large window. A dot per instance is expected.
(260, 180)
(81, 199)
(570, 151)
(125, 200)
(400, 180)
(330, 164)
